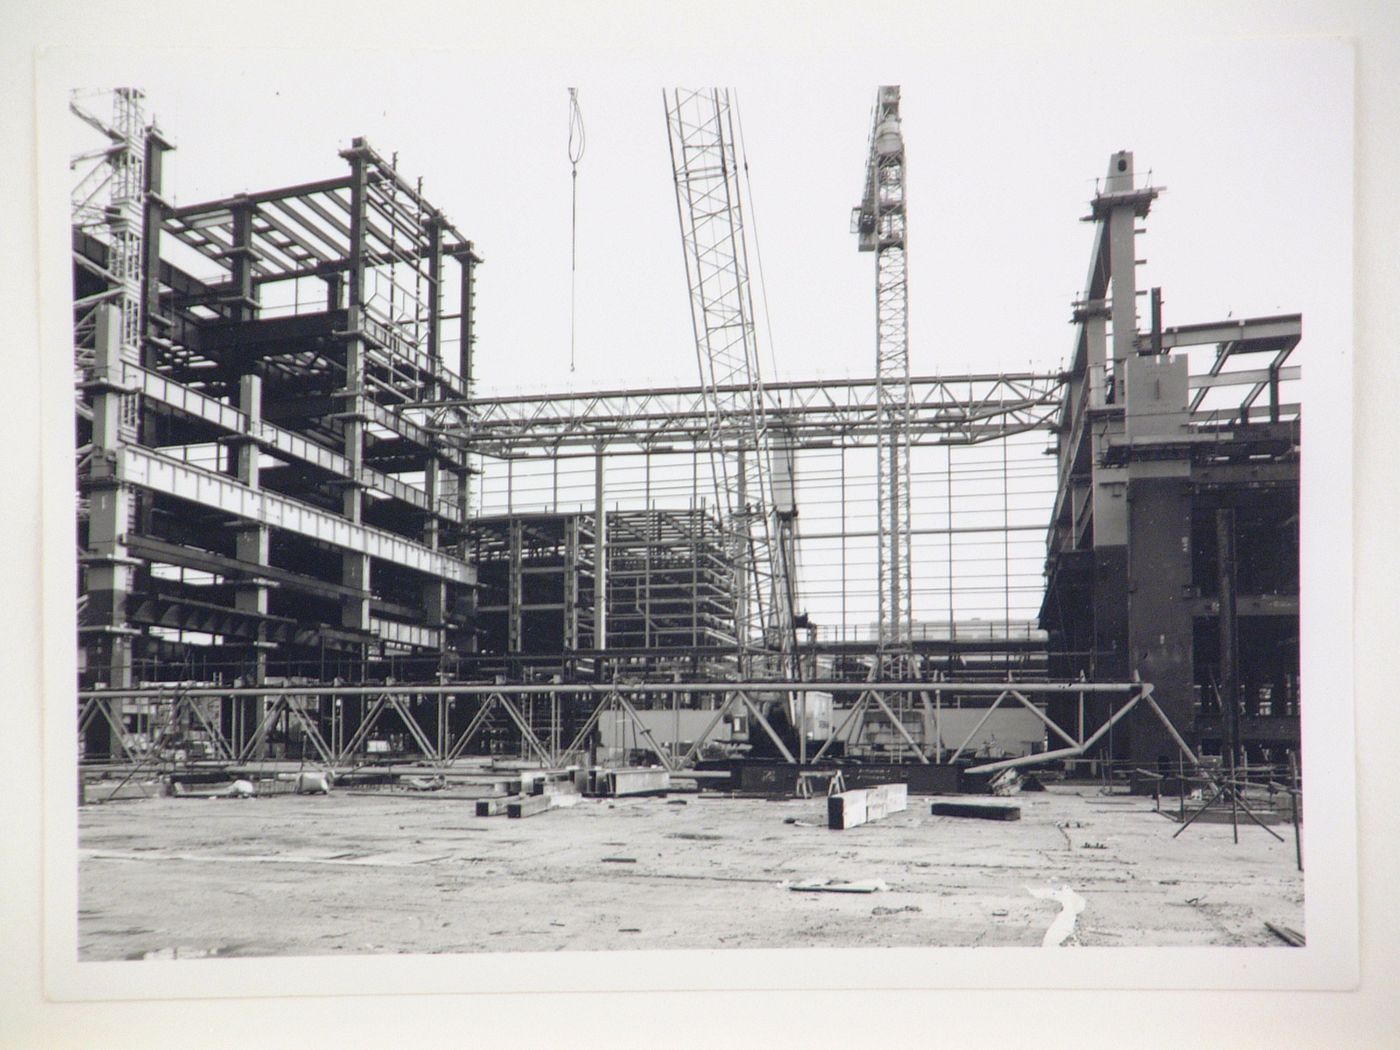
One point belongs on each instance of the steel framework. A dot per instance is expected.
(819, 413)
(248, 486)
(425, 712)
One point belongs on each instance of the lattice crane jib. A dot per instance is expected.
(707, 168)
(879, 221)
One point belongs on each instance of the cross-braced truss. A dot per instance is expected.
(880, 222)
(942, 410)
(706, 163)
(535, 713)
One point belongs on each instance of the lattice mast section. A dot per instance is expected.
(880, 222)
(118, 173)
(707, 170)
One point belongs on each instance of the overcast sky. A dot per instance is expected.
(1252, 141)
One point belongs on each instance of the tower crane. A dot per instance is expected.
(752, 467)
(879, 221)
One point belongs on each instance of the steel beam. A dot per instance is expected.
(274, 438)
(146, 469)
(819, 413)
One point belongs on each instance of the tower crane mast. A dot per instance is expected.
(879, 221)
(752, 473)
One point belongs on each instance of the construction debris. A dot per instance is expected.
(309, 783)
(978, 809)
(839, 886)
(495, 807)
(850, 809)
(1007, 782)
(106, 791)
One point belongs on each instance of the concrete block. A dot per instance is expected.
(495, 806)
(528, 805)
(850, 809)
(619, 782)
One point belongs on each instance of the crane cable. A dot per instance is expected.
(576, 144)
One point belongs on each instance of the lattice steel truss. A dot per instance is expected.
(879, 221)
(443, 721)
(706, 163)
(118, 172)
(820, 413)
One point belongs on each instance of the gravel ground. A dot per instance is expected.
(396, 872)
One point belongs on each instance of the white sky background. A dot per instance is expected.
(1251, 141)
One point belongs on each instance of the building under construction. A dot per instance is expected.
(284, 552)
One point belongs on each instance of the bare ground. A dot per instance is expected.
(353, 873)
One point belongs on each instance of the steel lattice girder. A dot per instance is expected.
(943, 410)
(632, 698)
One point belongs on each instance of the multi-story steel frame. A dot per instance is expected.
(1173, 543)
(254, 502)
(669, 603)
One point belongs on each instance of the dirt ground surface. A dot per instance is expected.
(400, 872)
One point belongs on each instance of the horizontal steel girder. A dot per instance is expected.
(819, 413)
(630, 689)
(147, 469)
(275, 439)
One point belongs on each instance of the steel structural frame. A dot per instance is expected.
(120, 169)
(631, 698)
(337, 230)
(818, 413)
(139, 466)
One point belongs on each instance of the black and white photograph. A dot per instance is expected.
(558, 514)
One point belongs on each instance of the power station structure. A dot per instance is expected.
(286, 549)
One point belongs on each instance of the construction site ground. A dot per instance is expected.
(394, 871)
